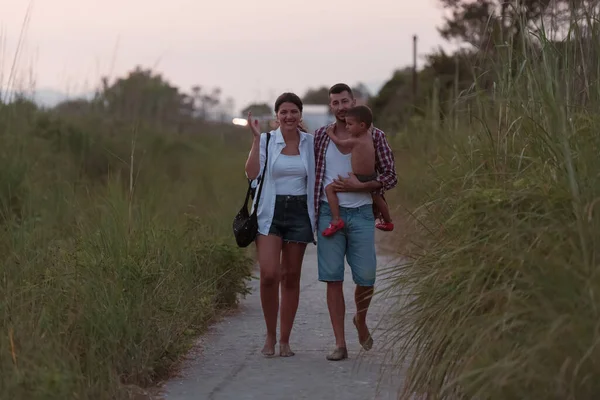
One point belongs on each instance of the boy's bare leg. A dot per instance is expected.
(382, 207)
(334, 203)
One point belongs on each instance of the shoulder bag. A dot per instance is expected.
(245, 225)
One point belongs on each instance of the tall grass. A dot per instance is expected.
(500, 296)
(114, 253)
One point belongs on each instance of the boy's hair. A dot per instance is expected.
(362, 114)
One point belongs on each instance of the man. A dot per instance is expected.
(356, 242)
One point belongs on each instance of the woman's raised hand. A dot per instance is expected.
(253, 124)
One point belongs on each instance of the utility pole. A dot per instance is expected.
(414, 88)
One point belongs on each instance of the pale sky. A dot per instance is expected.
(252, 50)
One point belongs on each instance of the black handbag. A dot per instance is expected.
(245, 225)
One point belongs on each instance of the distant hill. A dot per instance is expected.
(51, 97)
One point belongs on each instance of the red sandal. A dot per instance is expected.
(385, 226)
(333, 228)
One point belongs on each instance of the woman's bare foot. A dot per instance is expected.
(269, 349)
(285, 351)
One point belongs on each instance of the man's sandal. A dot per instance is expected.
(338, 354)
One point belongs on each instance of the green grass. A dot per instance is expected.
(500, 294)
(116, 250)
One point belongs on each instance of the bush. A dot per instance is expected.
(500, 297)
(105, 281)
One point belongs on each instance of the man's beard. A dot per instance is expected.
(341, 119)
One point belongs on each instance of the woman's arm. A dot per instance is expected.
(254, 161)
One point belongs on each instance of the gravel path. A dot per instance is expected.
(228, 365)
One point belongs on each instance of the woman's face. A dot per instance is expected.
(289, 116)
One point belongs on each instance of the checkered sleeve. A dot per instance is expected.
(385, 164)
(321, 142)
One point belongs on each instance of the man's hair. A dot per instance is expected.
(288, 98)
(362, 114)
(340, 88)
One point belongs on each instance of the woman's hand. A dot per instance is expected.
(253, 126)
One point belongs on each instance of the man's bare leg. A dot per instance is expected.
(337, 311)
(362, 298)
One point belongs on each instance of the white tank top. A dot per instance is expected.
(340, 164)
(289, 175)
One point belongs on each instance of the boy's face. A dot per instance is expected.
(354, 127)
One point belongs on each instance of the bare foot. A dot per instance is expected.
(364, 336)
(285, 351)
(269, 349)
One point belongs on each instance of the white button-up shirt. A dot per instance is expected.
(266, 205)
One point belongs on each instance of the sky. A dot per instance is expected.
(252, 50)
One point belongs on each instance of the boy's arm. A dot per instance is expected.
(340, 142)
(385, 165)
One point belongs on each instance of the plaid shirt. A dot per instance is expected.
(384, 162)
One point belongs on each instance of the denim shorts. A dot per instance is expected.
(290, 219)
(355, 242)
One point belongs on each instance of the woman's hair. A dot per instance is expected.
(288, 98)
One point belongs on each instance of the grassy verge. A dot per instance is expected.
(501, 290)
(115, 248)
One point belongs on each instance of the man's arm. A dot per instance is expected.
(352, 184)
(385, 163)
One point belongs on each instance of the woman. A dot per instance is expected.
(285, 214)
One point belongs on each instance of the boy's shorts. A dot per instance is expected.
(367, 178)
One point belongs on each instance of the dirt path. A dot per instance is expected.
(228, 364)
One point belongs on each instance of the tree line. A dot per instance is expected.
(491, 33)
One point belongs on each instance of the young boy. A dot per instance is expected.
(358, 121)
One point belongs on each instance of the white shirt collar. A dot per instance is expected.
(279, 136)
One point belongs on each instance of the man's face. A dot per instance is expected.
(340, 103)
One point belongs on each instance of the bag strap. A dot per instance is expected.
(248, 194)
(264, 171)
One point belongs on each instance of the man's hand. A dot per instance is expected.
(352, 184)
(349, 184)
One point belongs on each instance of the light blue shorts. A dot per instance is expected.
(355, 242)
